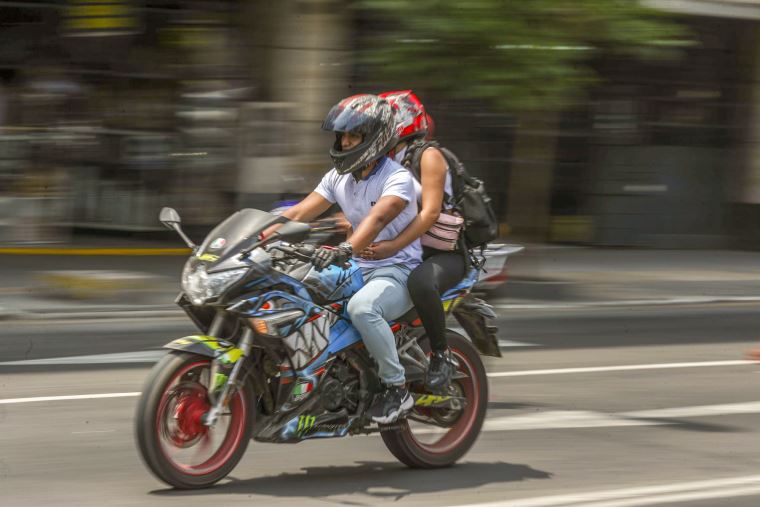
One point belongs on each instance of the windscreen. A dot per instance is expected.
(238, 231)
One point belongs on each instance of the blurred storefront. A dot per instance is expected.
(666, 152)
(111, 109)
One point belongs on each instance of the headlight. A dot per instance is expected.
(200, 286)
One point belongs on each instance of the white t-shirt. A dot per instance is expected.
(356, 199)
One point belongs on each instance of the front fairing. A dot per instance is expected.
(335, 283)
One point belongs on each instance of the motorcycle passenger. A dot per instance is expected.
(440, 270)
(378, 198)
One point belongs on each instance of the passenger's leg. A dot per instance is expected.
(432, 278)
(427, 282)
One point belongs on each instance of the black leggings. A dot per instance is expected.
(437, 274)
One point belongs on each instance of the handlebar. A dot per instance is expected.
(304, 252)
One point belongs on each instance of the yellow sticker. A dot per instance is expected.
(430, 399)
(208, 257)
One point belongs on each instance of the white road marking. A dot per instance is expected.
(514, 343)
(144, 356)
(592, 369)
(627, 367)
(633, 302)
(556, 419)
(752, 407)
(645, 495)
(69, 397)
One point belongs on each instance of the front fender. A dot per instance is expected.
(221, 350)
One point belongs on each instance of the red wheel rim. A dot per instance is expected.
(178, 426)
(462, 427)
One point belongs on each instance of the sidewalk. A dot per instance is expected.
(556, 273)
(142, 278)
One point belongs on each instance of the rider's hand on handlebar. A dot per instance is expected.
(327, 255)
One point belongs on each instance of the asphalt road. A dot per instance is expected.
(567, 426)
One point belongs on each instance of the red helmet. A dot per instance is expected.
(411, 119)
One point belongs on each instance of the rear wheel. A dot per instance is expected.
(438, 437)
(177, 447)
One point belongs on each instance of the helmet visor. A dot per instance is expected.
(351, 118)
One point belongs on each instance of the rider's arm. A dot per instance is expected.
(382, 213)
(433, 170)
(308, 209)
(305, 211)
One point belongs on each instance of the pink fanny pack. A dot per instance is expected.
(444, 234)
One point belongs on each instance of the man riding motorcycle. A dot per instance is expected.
(378, 198)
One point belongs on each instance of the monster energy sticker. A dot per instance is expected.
(305, 423)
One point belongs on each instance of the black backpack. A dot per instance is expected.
(469, 199)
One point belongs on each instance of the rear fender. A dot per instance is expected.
(221, 350)
(474, 315)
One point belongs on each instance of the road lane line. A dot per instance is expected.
(627, 367)
(562, 419)
(685, 300)
(678, 497)
(643, 495)
(69, 397)
(144, 356)
(560, 371)
(752, 407)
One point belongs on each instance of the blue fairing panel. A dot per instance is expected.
(342, 335)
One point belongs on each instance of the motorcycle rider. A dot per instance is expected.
(440, 270)
(377, 196)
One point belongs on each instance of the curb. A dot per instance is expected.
(21, 315)
(96, 251)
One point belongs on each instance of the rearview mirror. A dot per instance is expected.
(169, 217)
(294, 232)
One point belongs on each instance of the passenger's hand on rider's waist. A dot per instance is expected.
(380, 250)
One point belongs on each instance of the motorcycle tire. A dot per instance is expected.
(168, 419)
(462, 432)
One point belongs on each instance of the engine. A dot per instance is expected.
(340, 388)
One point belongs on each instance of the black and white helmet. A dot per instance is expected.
(365, 114)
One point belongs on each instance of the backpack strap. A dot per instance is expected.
(413, 158)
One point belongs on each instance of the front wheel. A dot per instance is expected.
(438, 437)
(173, 441)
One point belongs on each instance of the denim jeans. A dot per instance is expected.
(384, 297)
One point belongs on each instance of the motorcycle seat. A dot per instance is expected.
(411, 317)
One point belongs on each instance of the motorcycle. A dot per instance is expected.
(277, 360)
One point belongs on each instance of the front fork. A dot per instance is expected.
(220, 400)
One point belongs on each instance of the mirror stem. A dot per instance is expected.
(184, 237)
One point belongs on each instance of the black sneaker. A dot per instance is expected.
(391, 404)
(439, 372)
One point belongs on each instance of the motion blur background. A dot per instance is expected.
(593, 122)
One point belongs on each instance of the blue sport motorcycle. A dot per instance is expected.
(277, 360)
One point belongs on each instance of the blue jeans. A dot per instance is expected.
(384, 297)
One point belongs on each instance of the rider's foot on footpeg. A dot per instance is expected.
(391, 404)
(439, 372)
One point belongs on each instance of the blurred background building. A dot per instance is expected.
(110, 110)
